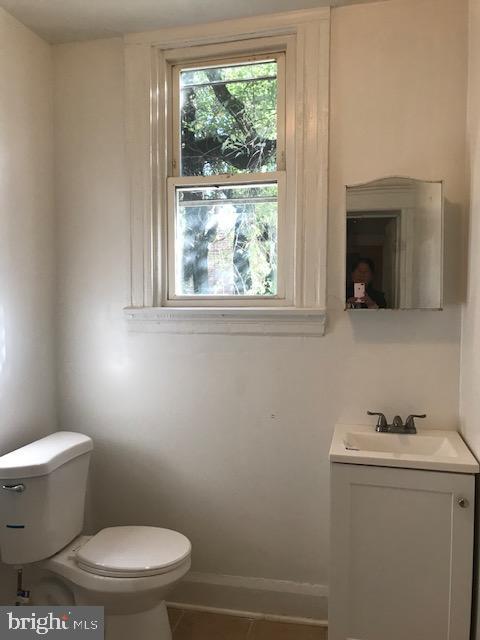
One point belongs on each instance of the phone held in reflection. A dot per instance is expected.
(358, 291)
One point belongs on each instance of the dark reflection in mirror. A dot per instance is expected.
(394, 245)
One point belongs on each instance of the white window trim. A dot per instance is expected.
(145, 91)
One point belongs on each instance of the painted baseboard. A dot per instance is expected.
(253, 596)
(249, 614)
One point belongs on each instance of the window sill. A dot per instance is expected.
(286, 321)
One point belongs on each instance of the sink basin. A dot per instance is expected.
(397, 443)
(428, 449)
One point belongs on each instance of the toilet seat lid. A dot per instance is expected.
(133, 551)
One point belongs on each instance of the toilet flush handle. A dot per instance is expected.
(17, 488)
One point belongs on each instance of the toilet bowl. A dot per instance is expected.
(127, 570)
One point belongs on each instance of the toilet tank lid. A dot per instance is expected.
(44, 456)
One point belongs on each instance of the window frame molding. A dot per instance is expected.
(146, 57)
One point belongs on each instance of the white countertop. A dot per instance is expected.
(430, 449)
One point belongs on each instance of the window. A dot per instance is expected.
(227, 134)
(227, 190)
(227, 122)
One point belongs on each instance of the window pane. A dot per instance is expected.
(226, 240)
(229, 119)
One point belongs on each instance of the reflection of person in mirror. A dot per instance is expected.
(362, 272)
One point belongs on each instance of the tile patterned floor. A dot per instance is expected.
(199, 625)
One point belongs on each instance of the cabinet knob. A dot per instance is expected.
(463, 503)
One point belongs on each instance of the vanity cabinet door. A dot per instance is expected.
(401, 554)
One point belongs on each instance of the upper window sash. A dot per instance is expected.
(174, 118)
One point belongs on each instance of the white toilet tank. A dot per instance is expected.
(42, 496)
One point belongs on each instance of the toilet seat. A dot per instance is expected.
(133, 552)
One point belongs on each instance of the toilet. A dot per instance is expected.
(128, 570)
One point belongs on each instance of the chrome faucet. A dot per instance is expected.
(397, 425)
(382, 424)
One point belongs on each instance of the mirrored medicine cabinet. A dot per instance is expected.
(394, 252)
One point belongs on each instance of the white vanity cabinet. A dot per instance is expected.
(401, 553)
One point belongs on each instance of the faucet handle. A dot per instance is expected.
(382, 421)
(410, 421)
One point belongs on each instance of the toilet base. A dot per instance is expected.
(152, 624)
(148, 625)
(134, 606)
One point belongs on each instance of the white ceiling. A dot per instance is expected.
(69, 20)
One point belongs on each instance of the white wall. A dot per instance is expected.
(470, 372)
(226, 438)
(27, 389)
(470, 369)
